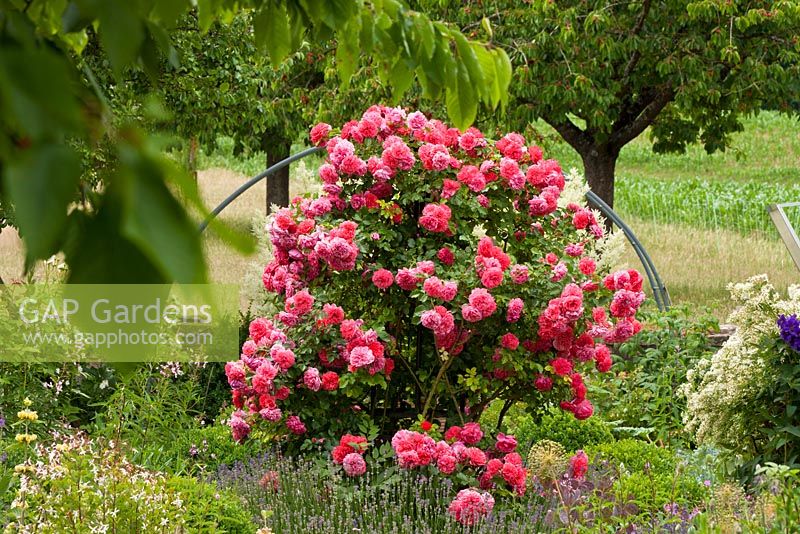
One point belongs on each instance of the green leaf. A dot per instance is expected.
(462, 106)
(96, 252)
(121, 34)
(156, 221)
(347, 53)
(272, 31)
(492, 92)
(502, 74)
(206, 12)
(400, 79)
(168, 11)
(426, 35)
(41, 186)
(36, 87)
(469, 60)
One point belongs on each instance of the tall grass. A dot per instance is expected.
(725, 205)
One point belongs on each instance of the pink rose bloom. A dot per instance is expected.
(574, 249)
(587, 266)
(330, 381)
(239, 427)
(512, 145)
(236, 374)
(249, 348)
(361, 357)
(483, 201)
(515, 307)
(319, 134)
(506, 443)
(559, 272)
(273, 415)
(446, 256)
(519, 274)
(453, 433)
(295, 425)
(517, 182)
(472, 177)
(283, 357)
(509, 341)
(333, 314)
(427, 267)
(354, 465)
(433, 287)
(583, 409)
(471, 314)
(561, 366)
(602, 357)
(543, 383)
(416, 120)
(311, 379)
(508, 168)
(474, 456)
(483, 300)
(582, 218)
(300, 303)
(354, 165)
(449, 291)
(626, 303)
(446, 463)
(435, 218)
(492, 278)
(471, 433)
(397, 155)
(350, 328)
(579, 464)
(382, 278)
(450, 188)
(470, 505)
(407, 279)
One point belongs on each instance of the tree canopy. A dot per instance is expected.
(602, 72)
(133, 228)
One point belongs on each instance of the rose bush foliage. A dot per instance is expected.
(435, 272)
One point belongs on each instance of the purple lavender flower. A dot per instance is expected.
(2, 422)
(790, 330)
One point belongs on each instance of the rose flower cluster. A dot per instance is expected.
(434, 264)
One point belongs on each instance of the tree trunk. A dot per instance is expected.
(277, 149)
(191, 160)
(599, 163)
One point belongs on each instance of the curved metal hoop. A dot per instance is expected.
(660, 293)
(659, 289)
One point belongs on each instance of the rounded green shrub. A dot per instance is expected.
(648, 475)
(632, 455)
(560, 427)
(211, 509)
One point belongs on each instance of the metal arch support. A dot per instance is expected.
(660, 292)
(254, 180)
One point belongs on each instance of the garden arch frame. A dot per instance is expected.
(660, 293)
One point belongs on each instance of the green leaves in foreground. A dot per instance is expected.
(131, 221)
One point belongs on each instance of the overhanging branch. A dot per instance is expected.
(577, 138)
(625, 133)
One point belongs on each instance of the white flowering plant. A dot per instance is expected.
(745, 396)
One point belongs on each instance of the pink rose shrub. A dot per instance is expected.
(465, 451)
(388, 302)
(470, 505)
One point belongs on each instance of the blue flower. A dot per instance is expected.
(790, 330)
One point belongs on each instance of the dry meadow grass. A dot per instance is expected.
(697, 264)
